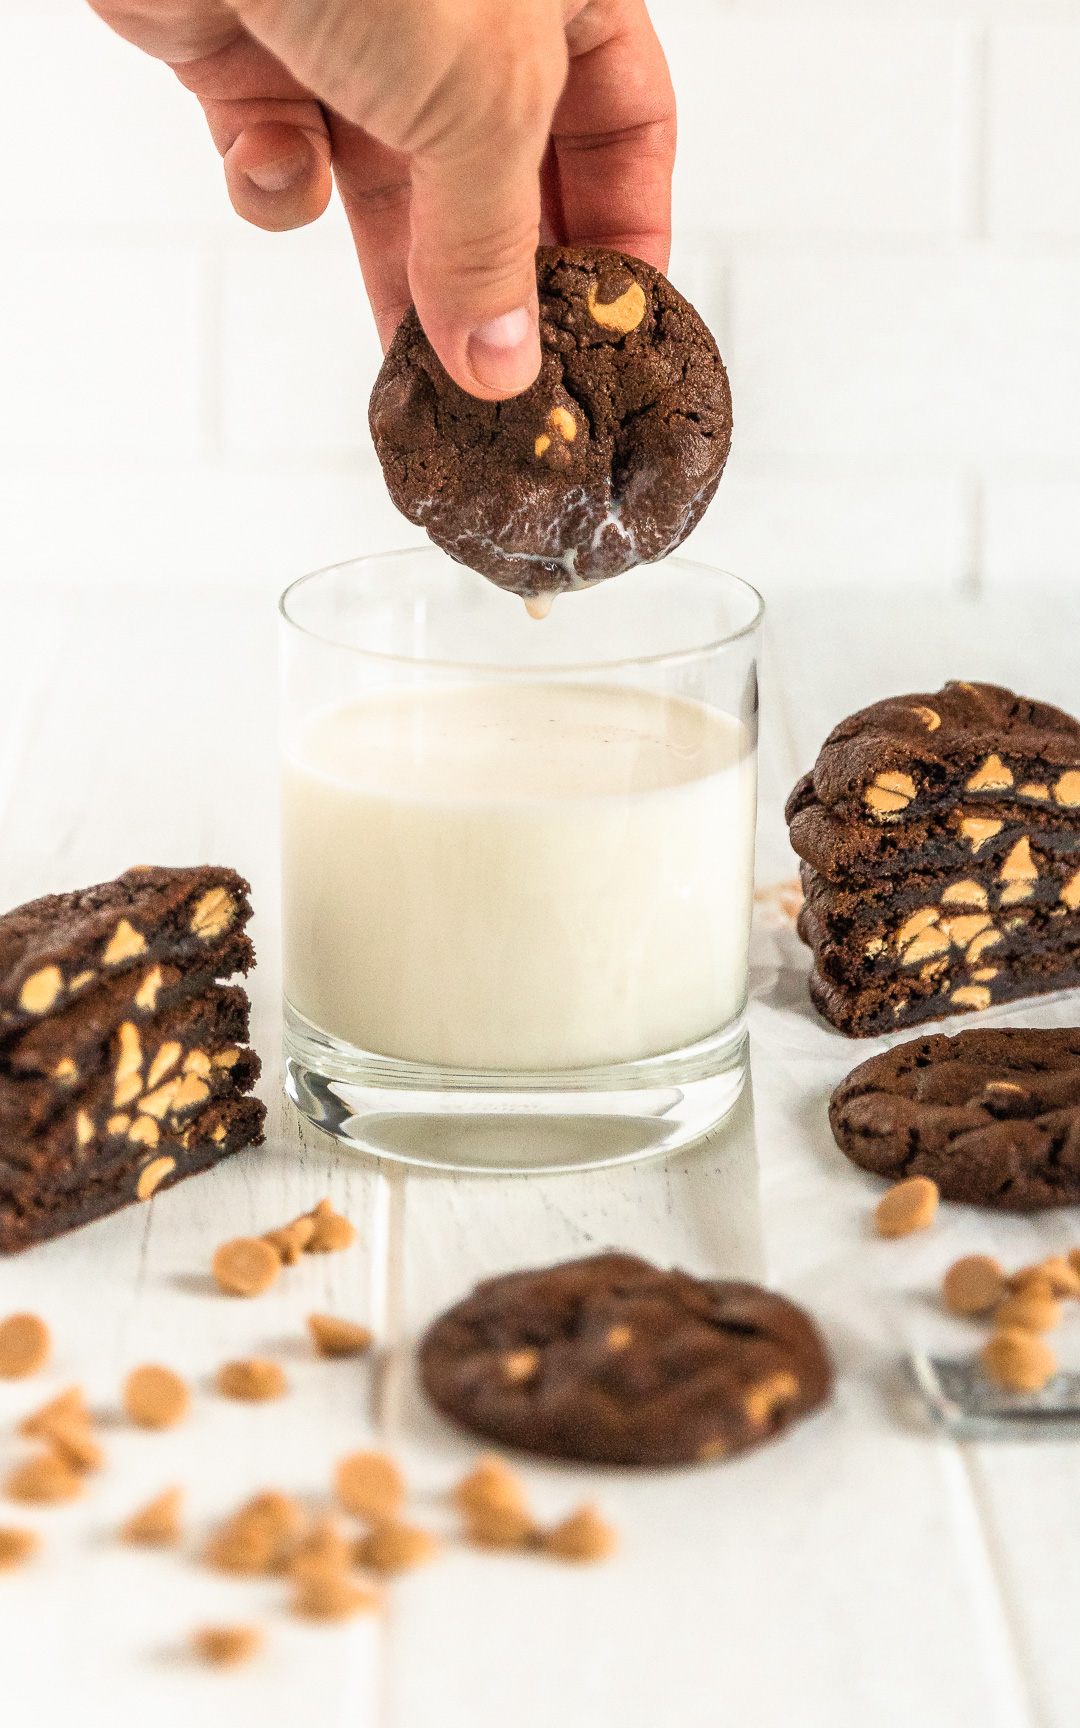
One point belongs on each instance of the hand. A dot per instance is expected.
(440, 120)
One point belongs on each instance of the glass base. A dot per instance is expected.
(500, 1123)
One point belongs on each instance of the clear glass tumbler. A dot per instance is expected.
(518, 861)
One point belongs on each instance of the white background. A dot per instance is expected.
(877, 209)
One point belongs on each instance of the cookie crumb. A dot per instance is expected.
(69, 1406)
(334, 1337)
(907, 1207)
(582, 1537)
(17, 1546)
(1026, 1313)
(490, 1486)
(44, 1480)
(255, 1381)
(291, 1240)
(973, 1285)
(1018, 1361)
(245, 1266)
(328, 1596)
(226, 1646)
(393, 1547)
(332, 1232)
(157, 1524)
(369, 1485)
(25, 1343)
(155, 1397)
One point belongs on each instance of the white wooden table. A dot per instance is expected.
(864, 1571)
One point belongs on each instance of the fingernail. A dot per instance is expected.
(280, 175)
(504, 353)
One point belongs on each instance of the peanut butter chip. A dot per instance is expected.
(245, 1267)
(769, 1396)
(324, 1549)
(583, 1537)
(155, 1397)
(290, 1241)
(519, 1365)
(623, 314)
(1033, 1281)
(213, 914)
(973, 1285)
(490, 1486)
(25, 1344)
(261, 1537)
(331, 1597)
(369, 1485)
(1067, 789)
(929, 717)
(16, 1546)
(226, 1646)
(157, 1524)
(254, 1381)
(1027, 1313)
(907, 1207)
(334, 1337)
(1064, 1279)
(44, 1480)
(125, 944)
(75, 1443)
(40, 990)
(69, 1406)
(500, 1527)
(332, 1232)
(154, 1174)
(395, 1547)
(1018, 1361)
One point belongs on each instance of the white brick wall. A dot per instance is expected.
(877, 207)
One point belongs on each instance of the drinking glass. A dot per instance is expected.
(518, 861)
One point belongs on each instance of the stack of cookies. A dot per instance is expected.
(123, 1059)
(940, 839)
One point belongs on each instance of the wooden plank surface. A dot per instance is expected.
(862, 1571)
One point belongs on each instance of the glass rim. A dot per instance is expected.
(674, 657)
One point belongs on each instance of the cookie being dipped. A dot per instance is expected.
(608, 460)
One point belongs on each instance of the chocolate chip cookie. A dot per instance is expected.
(993, 1117)
(608, 460)
(615, 1361)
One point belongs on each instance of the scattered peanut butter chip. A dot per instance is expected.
(291, 1240)
(1064, 1279)
(324, 1549)
(1074, 1258)
(75, 1442)
(69, 1406)
(246, 1266)
(369, 1485)
(393, 1547)
(226, 1646)
(24, 1346)
(500, 1527)
(260, 1537)
(157, 1524)
(584, 1536)
(1027, 1313)
(334, 1337)
(155, 1397)
(329, 1596)
(907, 1207)
(1032, 1281)
(1018, 1361)
(973, 1285)
(44, 1480)
(255, 1380)
(17, 1546)
(491, 1485)
(332, 1232)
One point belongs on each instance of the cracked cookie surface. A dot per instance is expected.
(608, 460)
(616, 1361)
(993, 1117)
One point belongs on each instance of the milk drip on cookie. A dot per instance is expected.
(608, 460)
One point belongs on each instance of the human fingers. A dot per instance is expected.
(373, 182)
(613, 135)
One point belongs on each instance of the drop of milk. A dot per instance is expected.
(539, 605)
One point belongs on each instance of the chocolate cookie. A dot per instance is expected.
(909, 755)
(608, 460)
(614, 1361)
(993, 1117)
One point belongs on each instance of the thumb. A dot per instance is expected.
(474, 230)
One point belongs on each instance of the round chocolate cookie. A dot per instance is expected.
(608, 460)
(612, 1360)
(992, 1117)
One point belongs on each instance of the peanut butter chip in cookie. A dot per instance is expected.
(246, 1266)
(25, 1344)
(254, 1381)
(370, 1486)
(226, 1646)
(155, 1397)
(334, 1337)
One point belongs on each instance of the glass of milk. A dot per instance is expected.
(518, 860)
